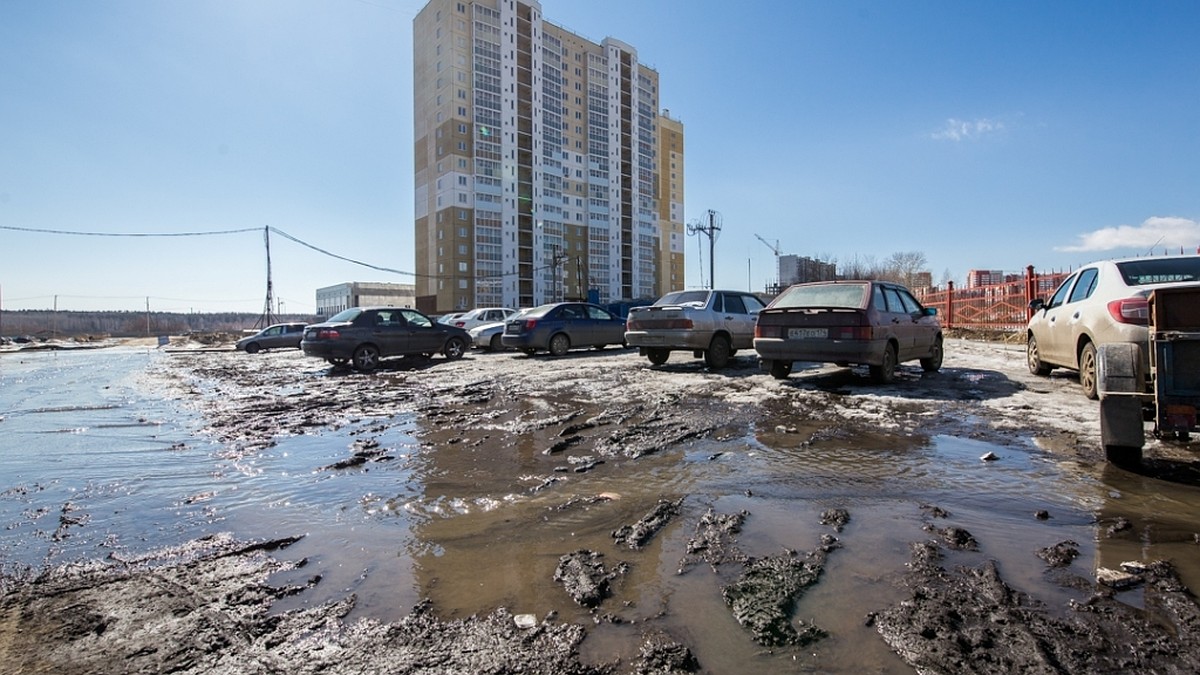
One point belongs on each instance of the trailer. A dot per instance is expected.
(1157, 382)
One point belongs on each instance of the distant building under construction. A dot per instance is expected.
(800, 269)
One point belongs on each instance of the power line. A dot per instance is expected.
(285, 235)
(126, 234)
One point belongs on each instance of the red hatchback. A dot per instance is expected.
(874, 323)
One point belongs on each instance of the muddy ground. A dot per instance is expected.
(211, 605)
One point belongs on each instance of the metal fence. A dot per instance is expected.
(995, 307)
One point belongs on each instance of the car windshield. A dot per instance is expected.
(698, 298)
(1160, 270)
(346, 315)
(849, 296)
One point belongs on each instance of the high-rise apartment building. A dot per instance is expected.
(543, 168)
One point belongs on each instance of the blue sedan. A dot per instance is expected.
(560, 327)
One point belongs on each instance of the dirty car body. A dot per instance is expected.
(709, 323)
(361, 336)
(1101, 303)
(563, 326)
(874, 323)
(285, 335)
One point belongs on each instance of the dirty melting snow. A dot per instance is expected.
(207, 607)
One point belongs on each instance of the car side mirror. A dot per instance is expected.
(1036, 304)
(930, 311)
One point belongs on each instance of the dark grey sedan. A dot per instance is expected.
(560, 327)
(361, 336)
(271, 337)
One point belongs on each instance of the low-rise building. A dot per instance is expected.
(333, 299)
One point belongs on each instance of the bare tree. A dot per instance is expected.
(903, 267)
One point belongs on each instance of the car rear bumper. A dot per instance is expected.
(866, 352)
(668, 339)
(326, 350)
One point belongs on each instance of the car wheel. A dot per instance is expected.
(934, 362)
(559, 344)
(366, 358)
(717, 354)
(658, 356)
(496, 344)
(885, 372)
(252, 348)
(1033, 357)
(1087, 371)
(454, 349)
(781, 369)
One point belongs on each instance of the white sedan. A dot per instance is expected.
(1100, 303)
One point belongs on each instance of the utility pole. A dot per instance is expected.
(266, 317)
(147, 316)
(712, 229)
(556, 259)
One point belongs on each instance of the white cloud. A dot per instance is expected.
(967, 130)
(1153, 233)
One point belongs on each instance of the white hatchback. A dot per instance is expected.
(1100, 303)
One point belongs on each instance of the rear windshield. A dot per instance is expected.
(538, 311)
(1160, 270)
(346, 315)
(849, 296)
(699, 298)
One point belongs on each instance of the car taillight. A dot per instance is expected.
(328, 334)
(460, 324)
(850, 333)
(1130, 310)
(530, 324)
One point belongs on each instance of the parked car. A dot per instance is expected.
(273, 337)
(489, 336)
(1102, 302)
(874, 323)
(709, 323)
(559, 327)
(448, 319)
(482, 315)
(361, 336)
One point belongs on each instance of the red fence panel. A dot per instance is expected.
(996, 307)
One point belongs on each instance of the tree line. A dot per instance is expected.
(48, 323)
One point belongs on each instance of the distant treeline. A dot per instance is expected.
(47, 323)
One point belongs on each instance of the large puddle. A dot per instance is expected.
(477, 517)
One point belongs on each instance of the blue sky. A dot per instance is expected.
(983, 134)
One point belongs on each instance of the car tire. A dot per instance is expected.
(559, 344)
(885, 372)
(1033, 358)
(933, 363)
(253, 348)
(1087, 371)
(781, 369)
(717, 354)
(454, 349)
(658, 356)
(496, 344)
(366, 358)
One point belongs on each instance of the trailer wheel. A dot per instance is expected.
(1123, 455)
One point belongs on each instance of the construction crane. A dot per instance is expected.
(774, 249)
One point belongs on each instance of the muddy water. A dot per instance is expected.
(477, 517)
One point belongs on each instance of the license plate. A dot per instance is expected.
(807, 333)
